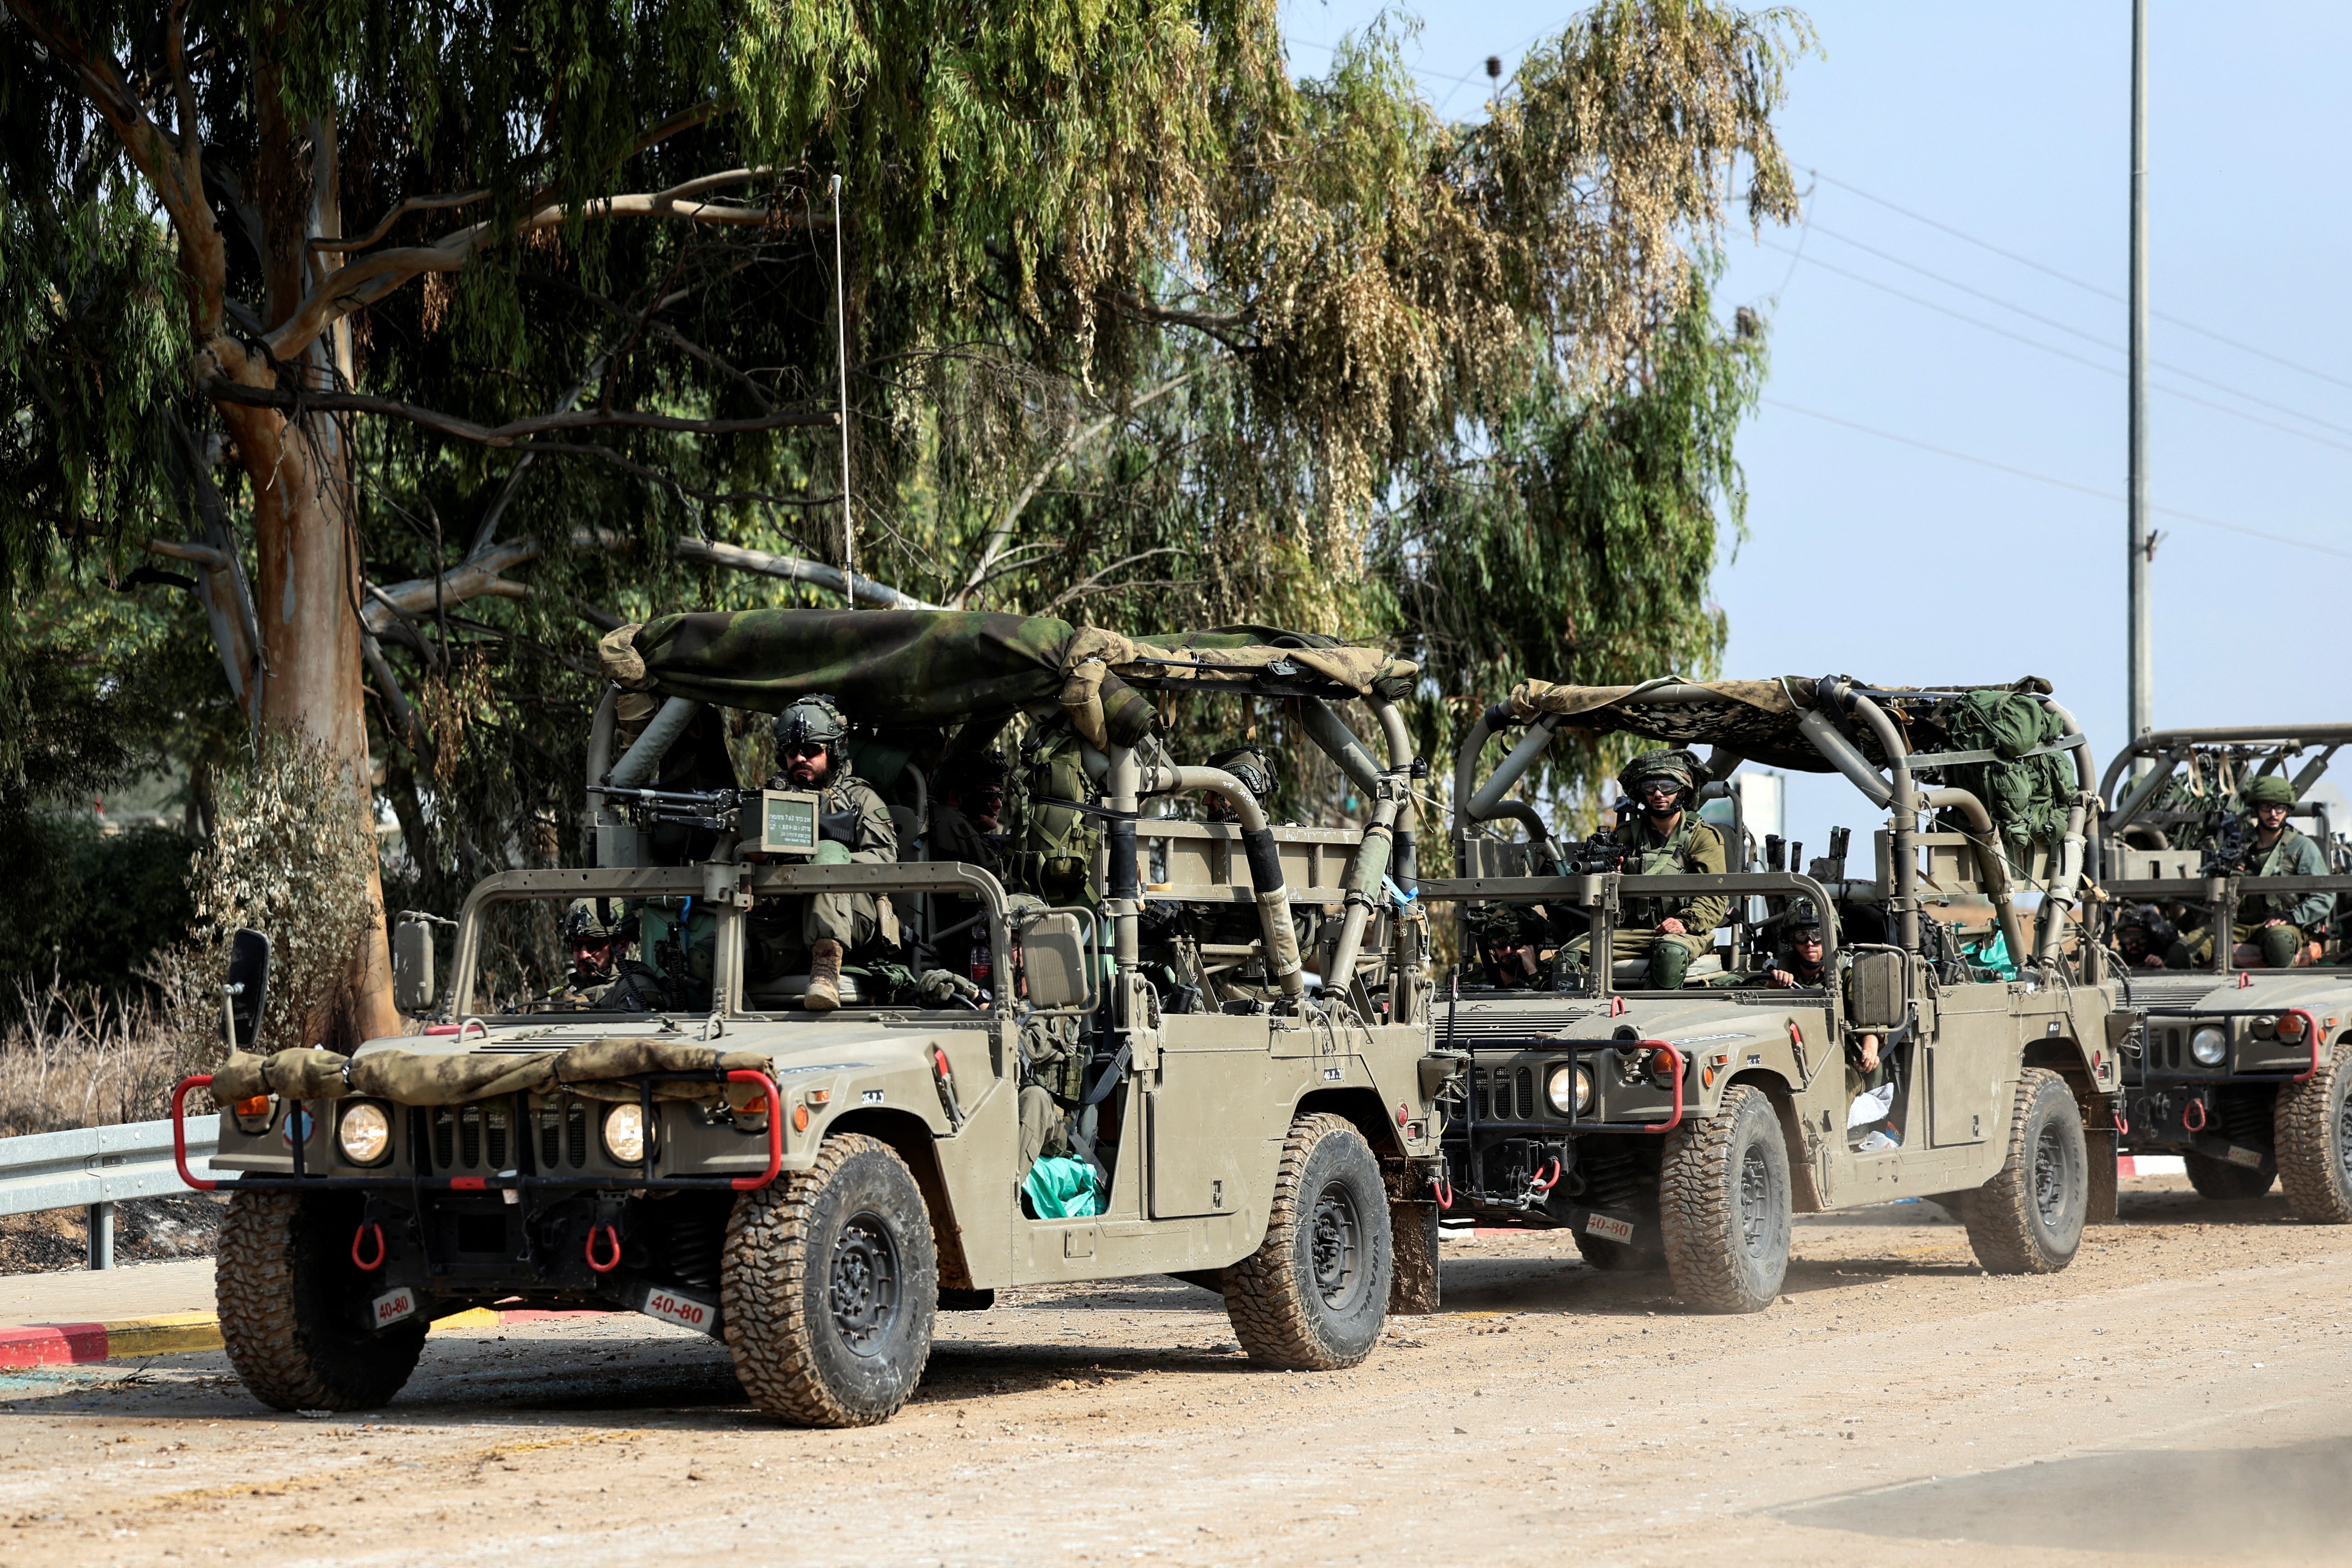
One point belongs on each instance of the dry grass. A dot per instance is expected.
(75, 1058)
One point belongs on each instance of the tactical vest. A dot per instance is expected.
(2279, 862)
(1670, 859)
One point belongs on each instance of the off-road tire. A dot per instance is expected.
(2029, 1219)
(1313, 1296)
(292, 1303)
(2314, 1139)
(830, 1285)
(2225, 1182)
(1726, 1206)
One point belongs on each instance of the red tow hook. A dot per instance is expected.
(1539, 1182)
(612, 1236)
(2123, 1123)
(2198, 1125)
(362, 1264)
(1442, 1192)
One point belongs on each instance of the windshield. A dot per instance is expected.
(557, 952)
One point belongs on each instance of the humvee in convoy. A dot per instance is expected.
(1683, 1128)
(811, 1187)
(2242, 1073)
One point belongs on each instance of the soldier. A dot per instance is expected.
(604, 977)
(854, 828)
(2276, 926)
(1510, 939)
(966, 819)
(2142, 935)
(1664, 837)
(1800, 962)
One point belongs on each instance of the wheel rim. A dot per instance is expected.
(2050, 1176)
(863, 1290)
(1755, 1202)
(1336, 1248)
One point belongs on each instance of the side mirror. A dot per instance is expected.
(414, 988)
(1057, 961)
(248, 987)
(1879, 999)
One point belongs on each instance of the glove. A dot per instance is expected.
(941, 987)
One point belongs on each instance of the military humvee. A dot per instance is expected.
(1683, 1129)
(811, 1187)
(2242, 1072)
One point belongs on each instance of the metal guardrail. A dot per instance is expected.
(97, 1167)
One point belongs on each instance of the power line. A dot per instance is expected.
(2203, 380)
(2079, 283)
(2060, 353)
(2057, 483)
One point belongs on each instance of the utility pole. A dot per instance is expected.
(2141, 697)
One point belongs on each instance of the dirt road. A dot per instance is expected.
(2184, 1392)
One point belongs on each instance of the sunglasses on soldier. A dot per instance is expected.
(806, 749)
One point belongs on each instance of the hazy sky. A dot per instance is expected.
(2009, 123)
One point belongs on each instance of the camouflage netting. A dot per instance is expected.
(1756, 718)
(918, 668)
(601, 1070)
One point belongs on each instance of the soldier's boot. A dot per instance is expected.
(1669, 961)
(824, 977)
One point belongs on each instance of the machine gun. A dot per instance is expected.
(717, 809)
(1596, 856)
(2226, 843)
(770, 821)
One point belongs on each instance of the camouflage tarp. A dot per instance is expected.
(917, 667)
(599, 1069)
(1756, 718)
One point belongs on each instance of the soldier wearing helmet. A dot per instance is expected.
(604, 977)
(968, 812)
(2275, 926)
(2143, 935)
(1659, 828)
(1510, 939)
(1801, 962)
(854, 827)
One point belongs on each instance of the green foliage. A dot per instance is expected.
(1141, 330)
(90, 910)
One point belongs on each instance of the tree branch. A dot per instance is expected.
(502, 436)
(362, 282)
(794, 569)
(413, 205)
(475, 577)
(997, 536)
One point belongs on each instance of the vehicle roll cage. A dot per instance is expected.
(1841, 709)
(2272, 748)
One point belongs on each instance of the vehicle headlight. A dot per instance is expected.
(2209, 1045)
(625, 1133)
(1569, 1089)
(365, 1133)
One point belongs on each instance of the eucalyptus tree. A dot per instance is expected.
(422, 330)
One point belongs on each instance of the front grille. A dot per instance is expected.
(484, 1137)
(1504, 1094)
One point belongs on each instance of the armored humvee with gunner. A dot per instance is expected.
(1681, 1124)
(809, 1166)
(2230, 923)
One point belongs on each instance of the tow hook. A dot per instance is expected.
(943, 1078)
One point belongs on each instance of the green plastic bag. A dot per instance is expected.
(1991, 953)
(1060, 1188)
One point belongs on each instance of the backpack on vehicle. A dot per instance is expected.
(2026, 793)
(1052, 845)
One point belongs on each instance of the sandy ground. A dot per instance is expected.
(2182, 1394)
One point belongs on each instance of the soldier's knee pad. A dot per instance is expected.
(831, 852)
(2279, 944)
(1669, 962)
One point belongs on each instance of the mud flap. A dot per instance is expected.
(2101, 1145)
(1412, 1280)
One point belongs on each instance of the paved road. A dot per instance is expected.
(2183, 1394)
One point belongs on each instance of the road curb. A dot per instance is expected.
(76, 1345)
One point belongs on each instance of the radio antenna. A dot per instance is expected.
(840, 354)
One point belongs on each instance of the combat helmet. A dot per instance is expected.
(2271, 789)
(583, 920)
(814, 720)
(1671, 763)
